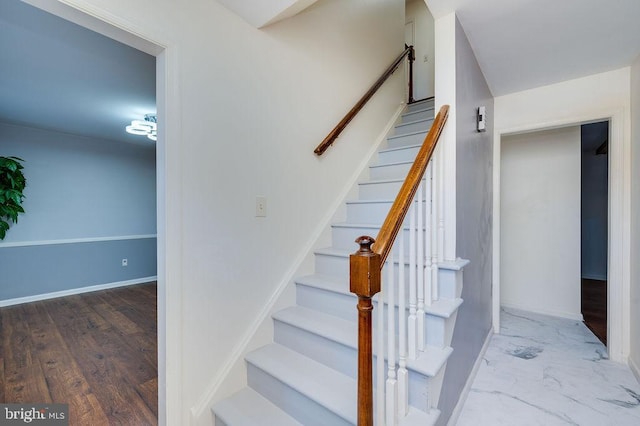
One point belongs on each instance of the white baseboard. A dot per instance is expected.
(561, 314)
(457, 410)
(73, 291)
(635, 368)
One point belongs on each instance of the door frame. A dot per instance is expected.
(168, 170)
(619, 226)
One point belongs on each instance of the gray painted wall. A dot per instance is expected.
(78, 188)
(34, 270)
(474, 157)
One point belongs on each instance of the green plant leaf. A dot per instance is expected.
(12, 183)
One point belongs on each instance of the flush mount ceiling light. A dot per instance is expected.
(146, 127)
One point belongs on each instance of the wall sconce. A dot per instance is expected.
(481, 119)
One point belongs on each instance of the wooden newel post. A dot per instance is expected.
(365, 283)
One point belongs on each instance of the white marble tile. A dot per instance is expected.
(549, 371)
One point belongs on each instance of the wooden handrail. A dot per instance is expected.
(395, 217)
(333, 135)
(366, 265)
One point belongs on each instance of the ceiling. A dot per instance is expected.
(522, 44)
(60, 76)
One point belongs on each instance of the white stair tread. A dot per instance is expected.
(397, 163)
(327, 387)
(421, 132)
(419, 418)
(345, 332)
(354, 225)
(248, 408)
(400, 148)
(442, 308)
(414, 122)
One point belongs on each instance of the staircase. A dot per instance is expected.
(308, 374)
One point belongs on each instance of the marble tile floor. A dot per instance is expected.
(549, 371)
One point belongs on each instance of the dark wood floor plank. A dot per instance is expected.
(104, 364)
(96, 351)
(24, 379)
(2, 379)
(149, 393)
(64, 378)
(594, 307)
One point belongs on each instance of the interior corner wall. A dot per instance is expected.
(245, 109)
(424, 65)
(540, 221)
(89, 204)
(592, 98)
(474, 174)
(634, 358)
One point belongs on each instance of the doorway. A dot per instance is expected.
(132, 35)
(594, 226)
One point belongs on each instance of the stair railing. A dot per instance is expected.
(420, 199)
(409, 53)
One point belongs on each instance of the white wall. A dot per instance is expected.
(244, 110)
(587, 99)
(540, 211)
(423, 71)
(634, 357)
(79, 187)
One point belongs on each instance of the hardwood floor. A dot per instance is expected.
(594, 307)
(95, 351)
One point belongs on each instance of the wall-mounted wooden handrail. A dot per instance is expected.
(333, 135)
(366, 265)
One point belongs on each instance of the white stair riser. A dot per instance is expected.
(414, 126)
(421, 105)
(344, 237)
(297, 405)
(385, 190)
(406, 140)
(369, 212)
(389, 171)
(417, 115)
(342, 358)
(449, 283)
(438, 331)
(398, 155)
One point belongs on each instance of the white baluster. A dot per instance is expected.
(403, 374)
(392, 382)
(380, 358)
(434, 226)
(428, 296)
(413, 296)
(441, 228)
(420, 271)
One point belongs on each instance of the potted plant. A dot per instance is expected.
(12, 183)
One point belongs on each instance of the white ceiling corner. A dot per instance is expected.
(530, 43)
(260, 13)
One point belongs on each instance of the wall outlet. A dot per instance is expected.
(261, 206)
(125, 262)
